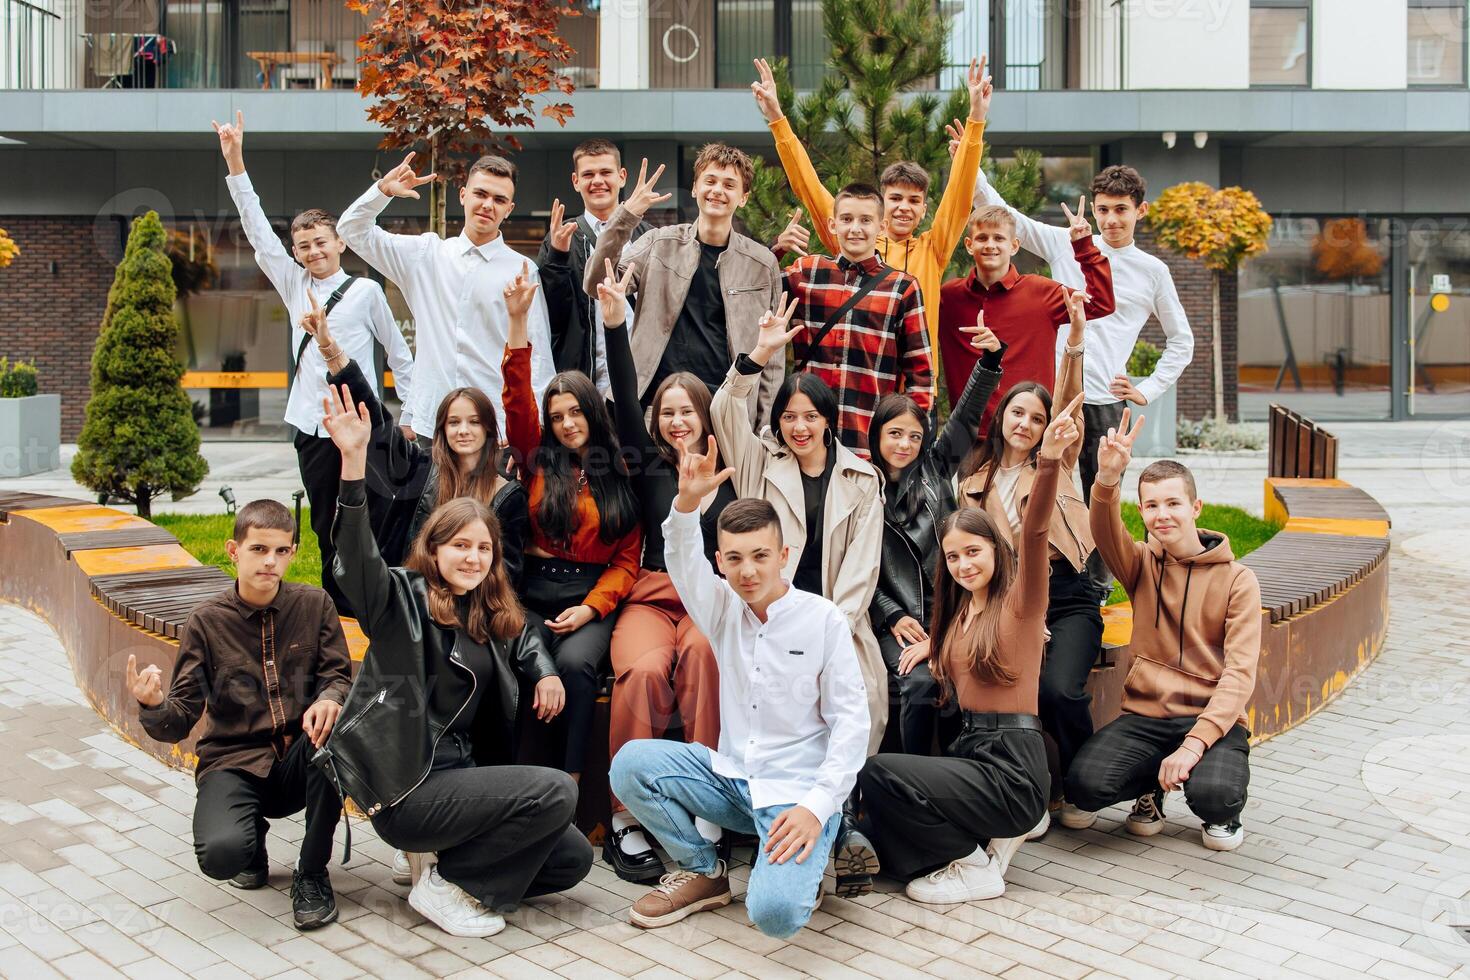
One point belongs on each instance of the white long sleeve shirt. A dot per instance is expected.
(793, 707)
(600, 377)
(1142, 286)
(455, 290)
(362, 315)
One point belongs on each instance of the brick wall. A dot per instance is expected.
(1197, 385)
(53, 319)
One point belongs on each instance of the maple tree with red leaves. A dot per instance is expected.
(443, 72)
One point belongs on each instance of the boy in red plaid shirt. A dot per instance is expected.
(877, 345)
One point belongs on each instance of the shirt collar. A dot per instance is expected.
(247, 611)
(1007, 281)
(488, 251)
(868, 266)
(331, 282)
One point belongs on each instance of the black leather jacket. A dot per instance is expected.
(401, 470)
(382, 746)
(923, 497)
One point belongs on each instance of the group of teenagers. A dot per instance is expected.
(655, 448)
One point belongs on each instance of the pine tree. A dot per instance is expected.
(861, 118)
(139, 440)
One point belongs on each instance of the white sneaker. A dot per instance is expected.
(959, 881)
(1074, 818)
(1147, 817)
(1001, 850)
(1222, 837)
(451, 908)
(1042, 826)
(402, 870)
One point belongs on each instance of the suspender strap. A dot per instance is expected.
(870, 284)
(332, 301)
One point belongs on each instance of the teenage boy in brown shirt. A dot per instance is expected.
(1196, 644)
(267, 663)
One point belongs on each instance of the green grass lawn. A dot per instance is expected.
(204, 537)
(1246, 533)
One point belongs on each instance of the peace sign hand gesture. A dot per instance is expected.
(1077, 224)
(644, 196)
(981, 88)
(697, 476)
(775, 331)
(1076, 301)
(956, 132)
(146, 687)
(401, 180)
(314, 322)
(612, 294)
(1115, 450)
(1062, 432)
(232, 143)
(561, 230)
(764, 90)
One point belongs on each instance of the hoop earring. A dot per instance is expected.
(827, 437)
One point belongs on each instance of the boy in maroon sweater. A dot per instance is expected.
(1024, 311)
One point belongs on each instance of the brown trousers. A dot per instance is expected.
(661, 663)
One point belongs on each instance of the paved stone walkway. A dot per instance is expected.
(1356, 861)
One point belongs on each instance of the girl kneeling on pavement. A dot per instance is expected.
(437, 697)
(950, 825)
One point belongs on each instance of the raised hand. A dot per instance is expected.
(1076, 301)
(612, 293)
(348, 424)
(1062, 432)
(764, 90)
(401, 180)
(794, 237)
(956, 132)
(232, 143)
(697, 476)
(561, 230)
(981, 336)
(314, 322)
(644, 196)
(520, 292)
(775, 331)
(146, 687)
(1115, 450)
(1077, 224)
(979, 84)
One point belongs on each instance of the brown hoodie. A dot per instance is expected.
(1196, 624)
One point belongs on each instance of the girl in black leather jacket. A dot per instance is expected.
(918, 495)
(437, 696)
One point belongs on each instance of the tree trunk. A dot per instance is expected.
(145, 502)
(1219, 350)
(437, 189)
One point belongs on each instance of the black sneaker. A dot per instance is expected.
(312, 902)
(854, 860)
(254, 876)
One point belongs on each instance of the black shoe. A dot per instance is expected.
(641, 868)
(854, 859)
(312, 902)
(254, 876)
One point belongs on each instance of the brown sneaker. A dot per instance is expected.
(679, 895)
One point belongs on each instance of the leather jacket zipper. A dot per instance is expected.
(352, 722)
(474, 683)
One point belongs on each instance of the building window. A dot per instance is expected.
(1437, 43)
(1281, 43)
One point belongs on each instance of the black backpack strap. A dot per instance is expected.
(332, 301)
(870, 284)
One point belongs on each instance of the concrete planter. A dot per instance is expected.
(1158, 436)
(30, 435)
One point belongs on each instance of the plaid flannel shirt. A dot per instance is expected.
(878, 347)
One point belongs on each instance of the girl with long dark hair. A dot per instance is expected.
(950, 825)
(918, 470)
(435, 704)
(582, 557)
(661, 662)
(1001, 478)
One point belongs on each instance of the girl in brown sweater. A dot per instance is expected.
(950, 825)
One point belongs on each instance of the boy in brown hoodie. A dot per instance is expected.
(1196, 643)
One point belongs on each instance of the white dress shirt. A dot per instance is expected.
(456, 292)
(793, 707)
(361, 315)
(1142, 286)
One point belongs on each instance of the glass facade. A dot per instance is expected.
(1280, 43)
(1436, 55)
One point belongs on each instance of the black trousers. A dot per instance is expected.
(321, 474)
(1096, 421)
(926, 811)
(550, 586)
(917, 695)
(233, 806)
(1121, 762)
(1076, 637)
(503, 833)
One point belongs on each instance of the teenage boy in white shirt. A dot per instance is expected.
(793, 722)
(455, 287)
(306, 282)
(1142, 287)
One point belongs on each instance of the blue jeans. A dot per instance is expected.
(667, 784)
